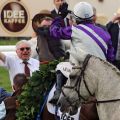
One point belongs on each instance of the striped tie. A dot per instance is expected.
(26, 69)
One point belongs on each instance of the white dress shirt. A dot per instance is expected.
(15, 65)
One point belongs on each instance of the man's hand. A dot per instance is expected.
(116, 18)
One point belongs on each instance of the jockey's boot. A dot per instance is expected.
(55, 97)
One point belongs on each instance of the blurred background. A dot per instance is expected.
(15, 26)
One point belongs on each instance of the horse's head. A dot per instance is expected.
(74, 92)
(70, 96)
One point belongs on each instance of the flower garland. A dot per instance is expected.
(33, 92)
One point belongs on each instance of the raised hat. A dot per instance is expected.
(38, 18)
(45, 13)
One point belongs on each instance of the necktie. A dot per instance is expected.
(26, 69)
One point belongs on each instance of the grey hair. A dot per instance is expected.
(22, 42)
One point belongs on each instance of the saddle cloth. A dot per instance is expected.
(63, 116)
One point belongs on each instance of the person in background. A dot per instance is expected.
(55, 11)
(3, 94)
(10, 104)
(86, 38)
(57, 4)
(113, 28)
(2, 110)
(95, 19)
(67, 21)
(19, 81)
(22, 63)
(48, 48)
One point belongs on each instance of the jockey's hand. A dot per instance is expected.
(43, 31)
(63, 10)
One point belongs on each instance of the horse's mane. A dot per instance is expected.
(110, 65)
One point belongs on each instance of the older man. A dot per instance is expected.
(22, 63)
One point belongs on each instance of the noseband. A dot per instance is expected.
(76, 87)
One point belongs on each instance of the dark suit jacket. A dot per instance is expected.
(55, 14)
(113, 30)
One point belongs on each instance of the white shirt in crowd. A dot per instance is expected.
(15, 65)
(2, 111)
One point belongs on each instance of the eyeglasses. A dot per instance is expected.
(27, 48)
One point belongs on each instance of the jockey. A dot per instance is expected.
(86, 37)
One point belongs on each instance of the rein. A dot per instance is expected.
(101, 101)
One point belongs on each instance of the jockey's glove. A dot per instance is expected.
(63, 10)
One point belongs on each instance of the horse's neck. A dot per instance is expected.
(108, 89)
(101, 78)
(90, 78)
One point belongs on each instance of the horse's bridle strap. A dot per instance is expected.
(78, 82)
(84, 66)
(100, 101)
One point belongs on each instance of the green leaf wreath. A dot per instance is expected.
(33, 92)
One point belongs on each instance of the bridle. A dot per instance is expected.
(79, 78)
(76, 87)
